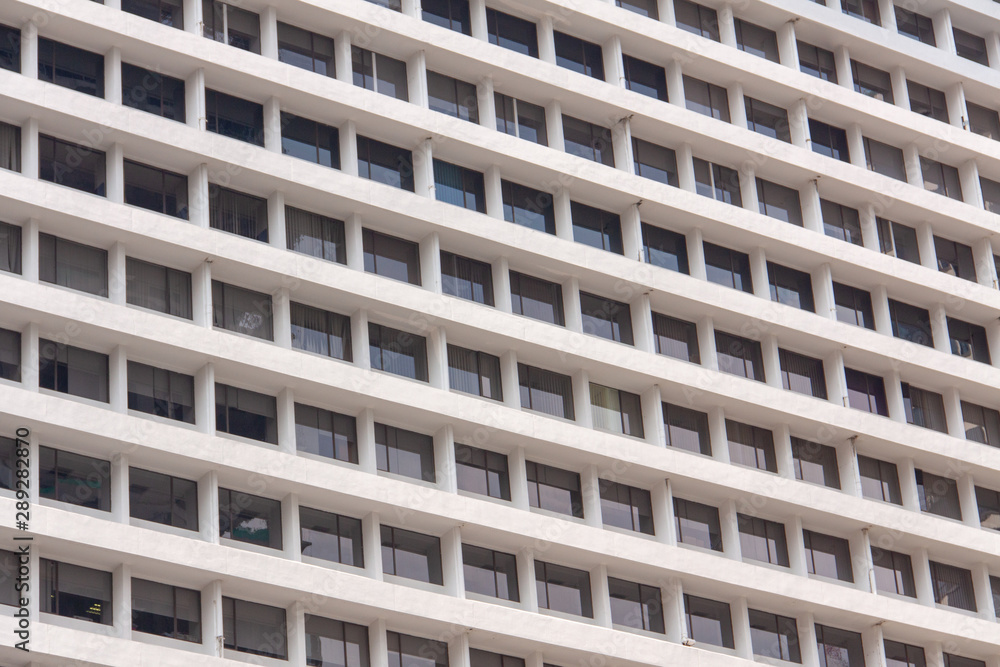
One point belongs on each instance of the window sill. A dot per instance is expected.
(335, 565)
(167, 642)
(246, 441)
(247, 336)
(325, 459)
(639, 631)
(557, 515)
(567, 616)
(139, 414)
(164, 528)
(178, 318)
(80, 624)
(76, 399)
(410, 480)
(478, 597)
(254, 548)
(414, 583)
(632, 533)
(71, 290)
(703, 550)
(489, 499)
(838, 582)
(253, 659)
(76, 509)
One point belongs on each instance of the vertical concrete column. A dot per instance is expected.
(113, 72)
(894, 396)
(908, 484)
(591, 492)
(204, 399)
(296, 615)
(922, 577)
(783, 451)
(958, 110)
(477, 20)
(291, 533)
(526, 574)
(695, 245)
(494, 192)
(416, 78)
(788, 48)
(563, 211)
(29, 371)
(201, 294)
(444, 459)
(748, 189)
(939, 328)
(900, 93)
(423, 169)
(553, 124)
(972, 191)
(371, 543)
(571, 304)
(953, 412)
(642, 324)
(798, 124)
(665, 9)
(993, 340)
(632, 232)
(29, 148)
(983, 591)
(993, 49)
(193, 20)
(675, 79)
(272, 125)
(861, 561)
(29, 50)
(119, 487)
(873, 644)
(833, 368)
(276, 232)
(286, 421)
(118, 379)
(847, 463)
(705, 328)
(366, 441)
(501, 284)
(727, 27)
(509, 380)
(842, 61)
(518, 483)
(411, 8)
(117, 281)
(600, 595)
(911, 161)
(208, 508)
(758, 273)
(823, 297)
(458, 651)
(451, 563)
(354, 249)
(926, 247)
(880, 310)
(115, 175)
(737, 107)
(486, 101)
(986, 269)
(614, 66)
(869, 227)
(269, 33)
(856, 144)
(199, 200)
(662, 497)
(967, 500)
(673, 611)
(121, 601)
(342, 58)
(741, 628)
(430, 262)
(194, 98)
(581, 399)
(685, 168)
(378, 645)
(806, 625)
(621, 145)
(772, 361)
(729, 525)
(796, 547)
(546, 41)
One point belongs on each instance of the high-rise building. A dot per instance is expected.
(488, 333)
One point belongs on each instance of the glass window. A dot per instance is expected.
(872, 82)
(927, 101)
(512, 32)
(308, 140)
(938, 495)
(866, 392)
(828, 140)
(779, 202)
(75, 592)
(579, 55)
(70, 67)
(719, 183)
(636, 605)
(699, 19)
(990, 189)
(643, 7)
(972, 47)
(384, 163)
(654, 162)
(520, 119)
(231, 25)
(762, 540)
(802, 374)
(815, 463)
(645, 78)
(910, 323)
(528, 207)
(476, 373)
(10, 48)
(74, 478)
(459, 186)
(480, 658)
(397, 352)
(866, 10)
(606, 318)
(72, 370)
(988, 502)
(391, 256)
(774, 636)
(957, 661)
(676, 338)
(411, 555)
(941, 178)
(563, 589)
(405, 453)
(817, 62)
(75, 265)
(924, 408)
(234, 117)
(172, 501)
(380, 73)
(615, 410)
(953, 586)
(251, 519)
(728, 267)
(898, 240)
(914, 25)
(879, 480)
(409, 651)
(884, 159)
(536, 298)
(246, 413)
(394, 5)
(158, 288)
(706, 98)
(166, 611)
(305, 49)
(767, 119)
(452, 97)
(662, 247)
(955, 258)
(491, 573)
(466, 278)
(828, 556)
(156, 189)
(151, 91)
(237, 213)
(554, 489)
(739, 356)
(326, 433)
(72, 165)
(545, 391)
(627, 507)
(331, 643)
(258, 629)
(686, 429)
(983, 121)
(481, 471)
(751, 446)
(757, 40)
(10, 355)
(450, 14)
(160, 392)
(790, 287)
(839, 648)
(697, 524)
(321, 332)
(708, 621)
(588, 140)
(10, 139)
(893, 572)
(854, 306)
(242, 311)
(841, 222)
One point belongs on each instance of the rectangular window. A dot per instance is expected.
(321, 332)
(686, 429)
(480, 658)
(326, 433)
(72, 165)
(521, 119)
(615, 410)
(160, 392)
(676, 338)
(512, 32)
(156, 190)
(817, 62)
(924, 408)
(762, 540)
(308, 140)
(405, 453)
(757, 40)
(708, 621)
(898, 654)
(719, 183)
(316, 235)
(802, 374)
(258, 629)
(397, 352)
(411, 555)
(697, 524)
(828, 140)
(452, 97)
(957, 661)
(815, 463)
(72, 370)
(394, 5)
(767, 119)
(990, 189)
(938, 495)
(450, 14)
(841, 222)
(728, 267)
(153, 92)
(308, 50)
(854, 306)
(384, 163)
(491, 573)
(579, 55)
(466, 278)
(879, 480)
(839, 648)
(955, 259)
(774, 636)
(790, 287)
(528, 207)
(380, 73)
(706, 98)
(606, 318)
(739, 356)
(866, 10)
(751, 446)
(636, 605)
(915, 26)
(910, 323)
(563, 589)
(927, 101)
(828, 556)
(545, 391)
(71, 264)
(331, 643)
(248, 518)
(953, 586)
(74, 478)
(941, 178)
(536, 298)
(476, 373)
(460, 186)
(10, 355)
(166, 611)
(645, 78)
(554, 489)
(165, 499)
(884, 159)
(75, 592)
(988, 501)
(698, 19)
(237, 213)
(971, 47)
(654, 162)
(984, 121)
(872, 82)
(588, 140)
(242, 311)
(481, 471)
(231, 25)
(893, 572)
(627, 507)
(10, 48)
(779, 202)
(70, 67)
(866, 392)
(10, 142)
(409, 651)
(234, 117)
(391, 256)
(642, 7)
(898, 240)
(10, 248)
(246, 413)
(662, 247)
